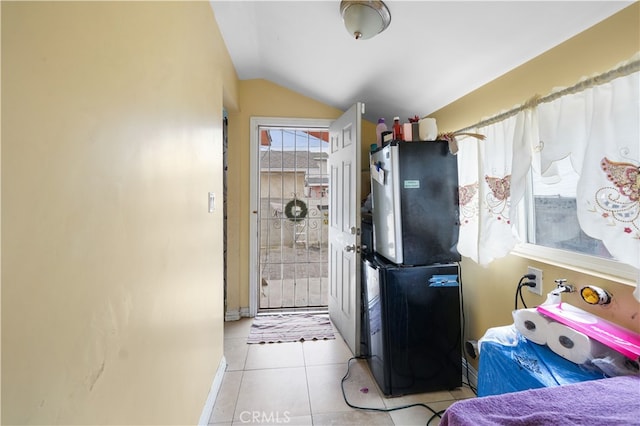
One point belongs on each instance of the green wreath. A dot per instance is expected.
(295, 210)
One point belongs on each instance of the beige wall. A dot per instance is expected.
(592, 52)
(112, 309)
(489, 292)
(258, 98)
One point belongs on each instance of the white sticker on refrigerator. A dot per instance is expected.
(411, 184)
(377, 174)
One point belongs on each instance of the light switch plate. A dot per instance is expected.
(212, 202)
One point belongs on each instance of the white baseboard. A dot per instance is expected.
(473, 373)
(236, 314)
(232, 315)
(213, 393)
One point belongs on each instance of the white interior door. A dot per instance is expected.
(344, 225)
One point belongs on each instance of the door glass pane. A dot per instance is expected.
(293, 218)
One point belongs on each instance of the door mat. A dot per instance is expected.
(290, 328)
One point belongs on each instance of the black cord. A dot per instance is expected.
(384, 410)
(521, 296)
(515, 304)
(438, 414)
(464, 325)
(519, 289)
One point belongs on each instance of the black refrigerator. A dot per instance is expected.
(411, 291)
(414, 188)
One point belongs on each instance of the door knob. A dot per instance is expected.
(350, 248)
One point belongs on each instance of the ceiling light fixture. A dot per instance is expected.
(365, 19)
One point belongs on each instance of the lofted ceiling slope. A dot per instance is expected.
(433, 52)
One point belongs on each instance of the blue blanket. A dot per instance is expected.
(611, 401)
(524, 366)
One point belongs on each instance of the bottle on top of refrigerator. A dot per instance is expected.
(397, 129)
(381, 127)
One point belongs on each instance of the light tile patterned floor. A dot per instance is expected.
(299, 384)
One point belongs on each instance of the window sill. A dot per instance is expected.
(595, 266)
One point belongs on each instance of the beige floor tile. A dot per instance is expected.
(463, 393)
(283, 420)
(301, 421)
(325, 392)
(239, 328)
(235, 353)
(299, 384)
(418, 416)
(321, 352)
(274, 355)
(353, 418)
(227, 396)
(273, 393)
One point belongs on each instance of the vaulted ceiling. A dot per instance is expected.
(433, 52)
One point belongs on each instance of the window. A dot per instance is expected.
(549, 226)
(582, 207)
(584, 139)
(555, 218)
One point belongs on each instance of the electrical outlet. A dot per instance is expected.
(538, 280)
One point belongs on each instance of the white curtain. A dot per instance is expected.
(492, 175)
(599, 128)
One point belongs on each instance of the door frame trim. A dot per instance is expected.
(254, 195)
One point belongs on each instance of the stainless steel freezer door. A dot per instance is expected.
(387, 226)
